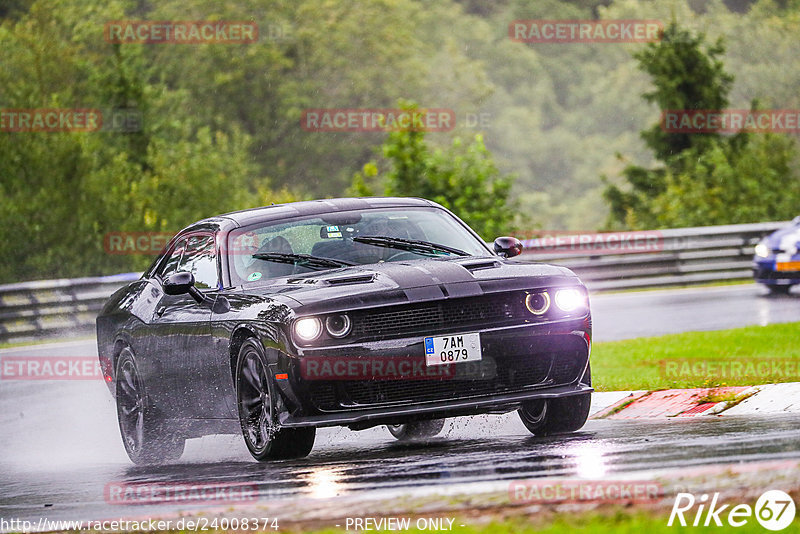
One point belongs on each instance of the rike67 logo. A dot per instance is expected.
(774, 510)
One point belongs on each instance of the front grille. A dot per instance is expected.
(450, 315)
(513, 374)
(763, 274)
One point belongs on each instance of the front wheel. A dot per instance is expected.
(544, 417)
(555, 416)
(264, 439)
(416, 429)
(775, 289)
(147, 437)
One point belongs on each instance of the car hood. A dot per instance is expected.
(786, 239)
(410, 281)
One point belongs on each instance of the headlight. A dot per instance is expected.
(762, 250)
(338, 325)
(308, 328)
(570, 299)
(538, 303)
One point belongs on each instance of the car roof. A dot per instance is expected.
(315, 207)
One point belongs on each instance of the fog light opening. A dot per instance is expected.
(538, 303)
(338, 325)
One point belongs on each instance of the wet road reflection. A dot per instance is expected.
(484, 450)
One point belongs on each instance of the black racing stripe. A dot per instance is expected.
(423, 294)
(463, 289)
(446, 272)
(407, 276)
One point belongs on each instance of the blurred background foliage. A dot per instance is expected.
(556, 146)
(709, 178)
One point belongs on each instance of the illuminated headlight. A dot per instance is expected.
(762, 251)
(538, 303)
(308, 328)
(570, 299)
(338, 325)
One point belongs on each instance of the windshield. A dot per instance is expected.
(339, 236)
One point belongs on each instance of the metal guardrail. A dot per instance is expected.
(46, 308)
(674, 257)
(684, 256)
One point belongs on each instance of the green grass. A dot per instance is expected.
(621, 522)
(6, 345)
(644, 363)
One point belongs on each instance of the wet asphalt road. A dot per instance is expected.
(60, 446)
(658, 312)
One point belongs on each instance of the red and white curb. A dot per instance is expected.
(739, 400)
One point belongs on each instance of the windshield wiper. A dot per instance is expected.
(411, 245)
(304, 260)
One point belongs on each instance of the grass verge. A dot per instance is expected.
(621, 521)
(737, 357)
(15, 344)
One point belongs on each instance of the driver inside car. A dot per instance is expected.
(342, 247)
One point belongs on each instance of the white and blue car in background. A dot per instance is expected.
(777, 259)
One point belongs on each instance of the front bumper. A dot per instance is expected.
(436, 410)
(522, 362)
(765, 272)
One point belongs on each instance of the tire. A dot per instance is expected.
(545, 417)
(778, 289)
(147, 438)
(416, 429)
(254, 395)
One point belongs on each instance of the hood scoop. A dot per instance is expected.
(481, 265)
(347, 280)
(337, 281)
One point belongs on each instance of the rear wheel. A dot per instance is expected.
(146, 436)
(416, 429)
(264, 439)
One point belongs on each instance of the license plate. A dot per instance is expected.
(443, 350)
(787, 266)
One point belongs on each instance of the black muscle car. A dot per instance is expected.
(356, 312)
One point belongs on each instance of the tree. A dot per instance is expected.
(704, 178)
(62, 192)
(462, 178)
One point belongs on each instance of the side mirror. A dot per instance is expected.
(180, 283)
(507, 247)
